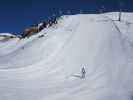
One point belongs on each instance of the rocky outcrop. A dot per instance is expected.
(37, 28)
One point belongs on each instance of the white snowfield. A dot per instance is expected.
(49, 68)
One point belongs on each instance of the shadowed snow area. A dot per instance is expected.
(46, 68)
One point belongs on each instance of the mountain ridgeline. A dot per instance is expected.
(31, 30)
(34, 29)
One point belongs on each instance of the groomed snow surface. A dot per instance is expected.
(47, 68)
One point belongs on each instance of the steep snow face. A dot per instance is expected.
(49, 68)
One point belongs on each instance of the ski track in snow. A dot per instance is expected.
(45, 68)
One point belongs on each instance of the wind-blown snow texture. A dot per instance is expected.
(44, 68)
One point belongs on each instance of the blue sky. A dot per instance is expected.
(16, 15)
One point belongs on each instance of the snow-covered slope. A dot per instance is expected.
(6, 36)
(45, 68)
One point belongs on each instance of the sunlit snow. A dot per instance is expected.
(46, 68)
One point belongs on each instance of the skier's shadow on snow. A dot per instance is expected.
(77, 76)
(82, 75)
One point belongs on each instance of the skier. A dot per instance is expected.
(83, 72)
